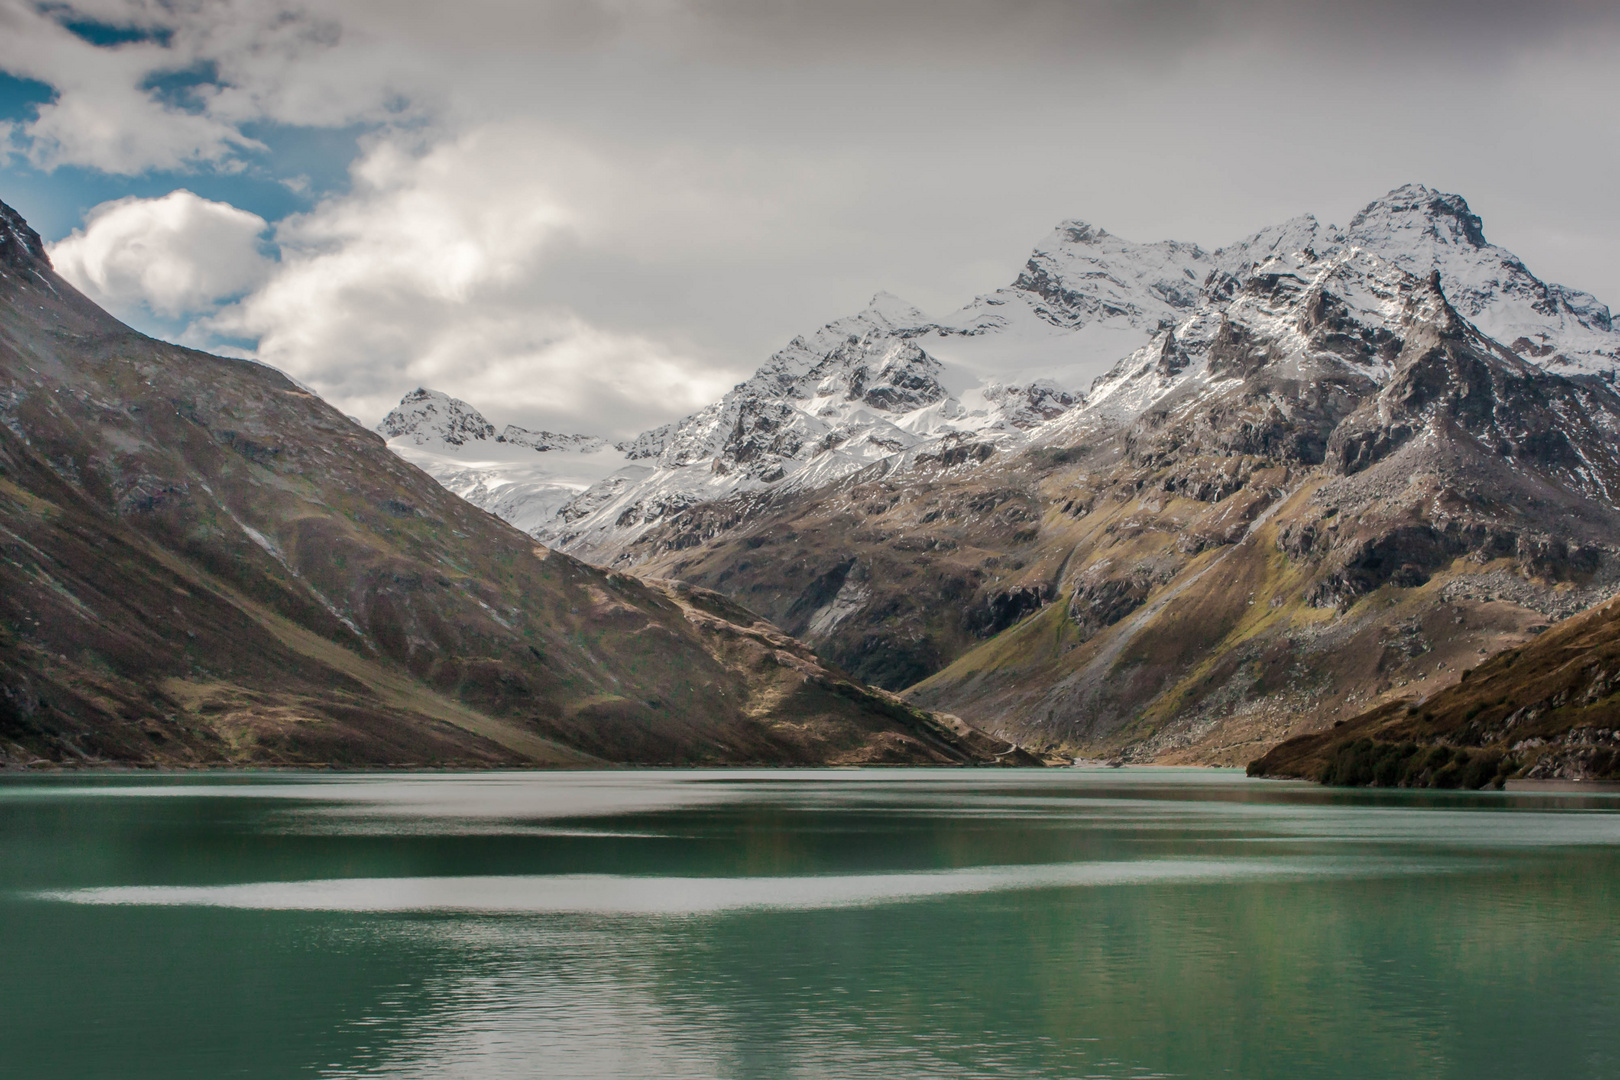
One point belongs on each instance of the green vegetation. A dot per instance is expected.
(1371, 763)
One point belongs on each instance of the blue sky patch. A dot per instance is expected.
(108, 35)
(19, 98)
(310, 164)
(178, 89)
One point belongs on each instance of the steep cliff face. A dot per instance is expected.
(202, 563)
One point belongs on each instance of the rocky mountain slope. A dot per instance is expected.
(1305, 509)
(202, 563)
(1549, 710)
(1155, 500)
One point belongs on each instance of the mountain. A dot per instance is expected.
(883, 382)
(203, 564)
(1333, 491)
(1160, 501)
(523, 477)
(1423, 232)
(1548, 710)
(889, 384)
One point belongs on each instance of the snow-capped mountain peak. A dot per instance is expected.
(1423, 231)
(520, 475)
(1414, 220)
(1297, 234)
(433, 419)
(1081, 273)
(898, 312)
(426, 417)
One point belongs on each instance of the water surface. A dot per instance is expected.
(893, 924)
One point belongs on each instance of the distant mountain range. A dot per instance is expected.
(202, 563)
(1147, 499)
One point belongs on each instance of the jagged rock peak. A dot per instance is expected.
(1080, 273)
(1076, 231)
(1412, 211)
(20, 245)
(426, 416)
(1433, 307)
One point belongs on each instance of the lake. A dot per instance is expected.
(886, 924)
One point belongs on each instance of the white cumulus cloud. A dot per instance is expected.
(176, 255)
(432, 270)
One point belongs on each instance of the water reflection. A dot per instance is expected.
(777, 924)
(607, 894)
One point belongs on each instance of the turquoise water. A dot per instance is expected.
(892, 924)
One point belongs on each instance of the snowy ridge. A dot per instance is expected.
(1422, 230)
(1343, 315)
(1081, 274)
(891, 384)
(544, 441)
(523, 477)
(1094, 330)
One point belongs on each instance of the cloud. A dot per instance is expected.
(175, 256)
(187, 79)
(430, 271)
(192, 76)
(597, 214)
(101, 116)
(820, 33)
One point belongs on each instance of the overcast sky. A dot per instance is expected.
(597, 215)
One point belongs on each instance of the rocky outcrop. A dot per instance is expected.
(20, 246)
